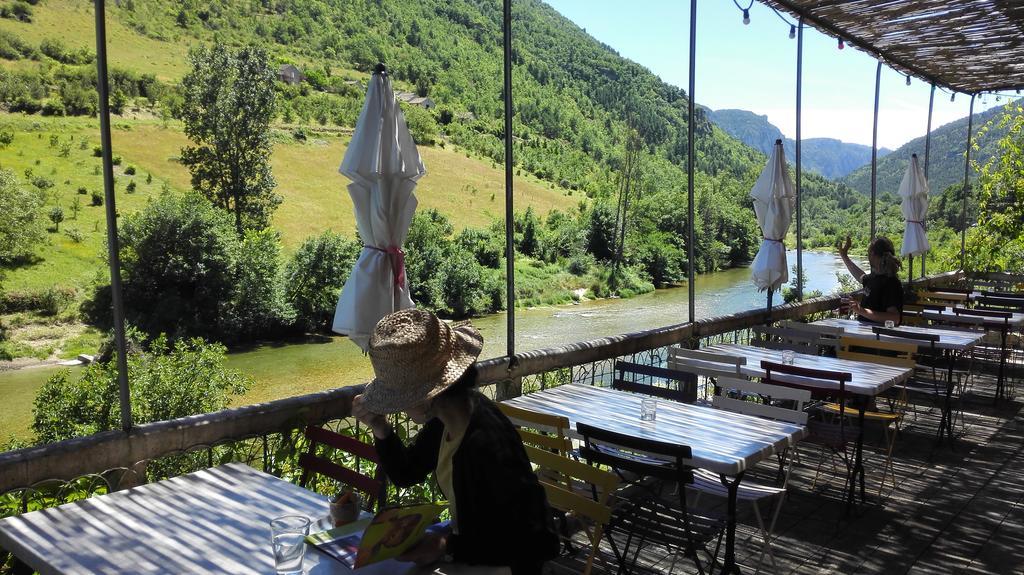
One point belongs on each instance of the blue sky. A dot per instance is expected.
(753, 67)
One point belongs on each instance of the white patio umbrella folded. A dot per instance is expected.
(384, 165)
(914, 192)
(774, 198)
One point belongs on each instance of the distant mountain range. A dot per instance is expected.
(946, 162)
(826, 156)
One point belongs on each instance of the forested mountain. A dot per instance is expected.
(946, 164)
(827, 156)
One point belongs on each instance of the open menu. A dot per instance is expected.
(385, 536)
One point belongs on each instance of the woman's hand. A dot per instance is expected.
(429, 550)
(844, 246)
(375, 421)
(855, 307)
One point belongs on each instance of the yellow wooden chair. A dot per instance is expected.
(590, 505)
(550, 433)
(880, 353)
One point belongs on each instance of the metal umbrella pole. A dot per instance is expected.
(874, 149)
(927, 156)
(689, 162)
(510, 268)
(966, 188)
(798, 158)
(113, 249)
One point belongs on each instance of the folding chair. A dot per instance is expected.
(647, 518)
(834, 436)
(881, 353)
(772, 397)
(564, 498)
(709, 365)
(310, 462)
(626, 376)
(827, 335)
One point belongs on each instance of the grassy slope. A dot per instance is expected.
(73, 24)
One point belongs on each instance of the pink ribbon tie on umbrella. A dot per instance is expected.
(397, 262)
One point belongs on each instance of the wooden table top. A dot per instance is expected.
(868, 379)
(948, 338)
(720, 441)
(211, 521)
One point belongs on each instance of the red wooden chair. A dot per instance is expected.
(375, 487)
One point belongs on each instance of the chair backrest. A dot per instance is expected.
(781, 338)
(622, 444)
(769, 393)
(827, 335)
(999, 319)
(1008, 303)
(929, 339)
(706, 363)
(919, 307)
(892, 353)
(626, 380)
(552, 430)
(1002, 294)
(941, 297)
(796, 377)
(593, 507)
(312, 462)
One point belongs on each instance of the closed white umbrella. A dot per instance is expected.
(914, 192)
(383, 164)
(774, 199)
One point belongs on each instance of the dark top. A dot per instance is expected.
(504, 518)
(882, 292)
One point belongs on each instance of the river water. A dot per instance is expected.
(286, 369)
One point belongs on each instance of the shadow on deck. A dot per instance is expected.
(954, 510)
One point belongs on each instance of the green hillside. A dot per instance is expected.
(946, 164)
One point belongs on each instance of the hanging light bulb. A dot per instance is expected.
(908, 79)
(952, 96)
(999, 98)
(746, 16)
(841, 44)
(1018, 91)
(792, 34)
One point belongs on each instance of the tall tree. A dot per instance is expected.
(229, 103)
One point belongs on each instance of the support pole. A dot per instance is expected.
(510, 263)
(113, 249)
(966, 189)
(874, 149)
(798, 157)
(689, 162)
(927, 157)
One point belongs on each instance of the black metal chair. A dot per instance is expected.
(644, 516)
(626, 380)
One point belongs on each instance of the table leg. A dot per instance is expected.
(1000, 389)
(946, 424)
(858, 463)
(729, 565)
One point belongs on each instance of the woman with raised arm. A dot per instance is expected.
(499, 510)
(883, 292)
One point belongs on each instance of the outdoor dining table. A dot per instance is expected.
(867, 380)
(720, 441)
(951, 342)
(212, 521)
(1001, 326)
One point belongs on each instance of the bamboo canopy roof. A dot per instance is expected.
(965, 45)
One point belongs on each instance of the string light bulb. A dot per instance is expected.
(746, 16)
(999, 98)
(792, 34)
(908, 79)
(952, 96)
(841, 44)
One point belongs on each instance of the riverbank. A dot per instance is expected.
(283, 369)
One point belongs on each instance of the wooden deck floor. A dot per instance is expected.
(954, 510)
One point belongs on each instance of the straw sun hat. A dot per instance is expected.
(415, 357)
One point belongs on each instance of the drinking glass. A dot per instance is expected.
(648, 409)
(890, 324)
(788, 356)
(288, 534)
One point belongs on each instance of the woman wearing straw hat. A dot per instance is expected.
(499, 511)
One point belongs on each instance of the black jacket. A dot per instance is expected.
(504, 518)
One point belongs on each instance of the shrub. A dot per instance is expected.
(82, 191)
(129, 171)
(21, 222)
(75, 235)
(97, 198)
(56, 216)
(315, 275)
(168, 381)
(6, 138)
(130, 188)
(116, 160)
(97, 151)
(42, 183)
(257, 306)
(47, 302)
